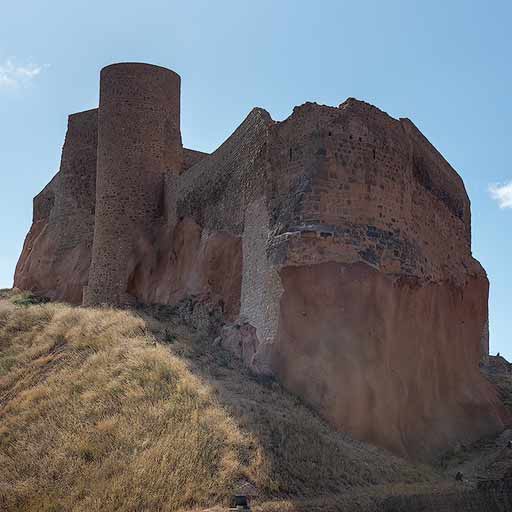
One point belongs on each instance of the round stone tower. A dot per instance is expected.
(139, 142)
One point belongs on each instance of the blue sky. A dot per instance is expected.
(445, 65)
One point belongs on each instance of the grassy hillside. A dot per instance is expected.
(112, 410)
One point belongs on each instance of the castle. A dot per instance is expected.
(337, 244)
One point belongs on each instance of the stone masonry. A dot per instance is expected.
(337, 243)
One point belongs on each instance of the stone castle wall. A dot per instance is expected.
(216, 191)
(368, 187)
(337, 244)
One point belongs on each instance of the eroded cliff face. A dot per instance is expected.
(392, 361)
(187, 260)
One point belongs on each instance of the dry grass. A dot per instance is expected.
(97, 414)
(95, 417)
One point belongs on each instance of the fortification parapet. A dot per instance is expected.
(139, 141)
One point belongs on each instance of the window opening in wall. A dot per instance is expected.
(291, 154)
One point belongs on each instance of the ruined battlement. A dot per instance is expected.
(336, 244)
(373, 189)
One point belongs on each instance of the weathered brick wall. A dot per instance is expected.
(216, 191)
(139, 141)
(355, 184)
(191, 157)
(75, 196)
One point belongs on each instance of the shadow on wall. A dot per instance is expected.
(291, 451)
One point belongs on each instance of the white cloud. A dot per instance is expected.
(14, 75)
(502, 193)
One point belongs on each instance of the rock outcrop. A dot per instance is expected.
(337, 243)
